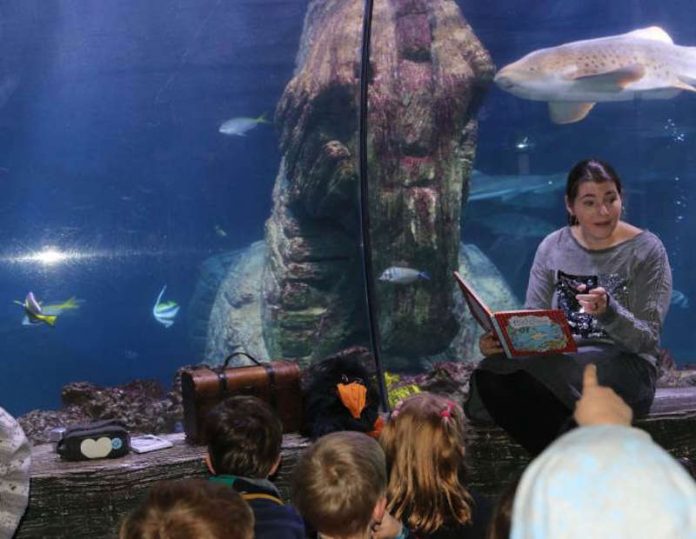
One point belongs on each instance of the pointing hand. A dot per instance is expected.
(600, 405)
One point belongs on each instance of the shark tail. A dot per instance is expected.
(424, 275)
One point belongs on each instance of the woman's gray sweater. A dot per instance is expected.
(635, 273)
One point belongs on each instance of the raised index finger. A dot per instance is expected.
(589, 377)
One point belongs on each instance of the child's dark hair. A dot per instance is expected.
(244, 437)
(190, 509)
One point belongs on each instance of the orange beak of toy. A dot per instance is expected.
(353, 396)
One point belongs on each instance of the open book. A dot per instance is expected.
(523, 332)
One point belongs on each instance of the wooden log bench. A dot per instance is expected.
(88, 499)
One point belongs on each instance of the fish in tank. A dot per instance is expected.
(189, 174)
(208, 182)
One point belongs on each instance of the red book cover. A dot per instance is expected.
(534, 332)
(523, 332)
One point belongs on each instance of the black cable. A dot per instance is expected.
(365, 205)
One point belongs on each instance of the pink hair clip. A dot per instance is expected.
(446, 412)
(396, 410)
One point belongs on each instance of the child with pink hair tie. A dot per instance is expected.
(424, 442)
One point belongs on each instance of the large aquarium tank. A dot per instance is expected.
(185, 180)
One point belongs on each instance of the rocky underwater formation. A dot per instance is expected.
(146, 407)
(304, 286)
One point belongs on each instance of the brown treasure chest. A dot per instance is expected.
(276, 382)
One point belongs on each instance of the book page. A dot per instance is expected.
(535, 332)
(477, 308)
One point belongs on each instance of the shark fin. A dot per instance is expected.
(685, 83)
(568, 112)
(653, 32)
(614, 80)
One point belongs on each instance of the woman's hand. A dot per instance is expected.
(594, 302)
(489, 344)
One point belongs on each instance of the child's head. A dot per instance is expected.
(339, 484)
(190, 509)
(244, 438)
(604, 481)
(501, 519)
(424, 445)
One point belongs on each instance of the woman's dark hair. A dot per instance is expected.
(589, 170)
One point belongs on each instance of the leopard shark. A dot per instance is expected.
(573, 77)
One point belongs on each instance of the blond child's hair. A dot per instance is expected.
(338, 482)
(190, 509)
(424, 445)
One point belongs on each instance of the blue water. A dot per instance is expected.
(109, 146)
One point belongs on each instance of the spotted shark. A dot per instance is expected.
(573, 77)
(165, 311)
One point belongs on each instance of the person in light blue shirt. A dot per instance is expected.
(604, 480)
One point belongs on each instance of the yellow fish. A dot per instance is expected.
(33, 314)
(58, 308)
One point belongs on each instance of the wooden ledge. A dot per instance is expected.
(88, 499)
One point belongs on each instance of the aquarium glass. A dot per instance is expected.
(180, 179)
(514, 194)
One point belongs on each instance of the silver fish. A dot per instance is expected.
(240, 126)
(400, 275)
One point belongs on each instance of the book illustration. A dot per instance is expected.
(521, 332)
(535, 333)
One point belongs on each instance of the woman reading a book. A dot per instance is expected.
(613, 282)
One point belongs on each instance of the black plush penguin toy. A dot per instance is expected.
(340, 394)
